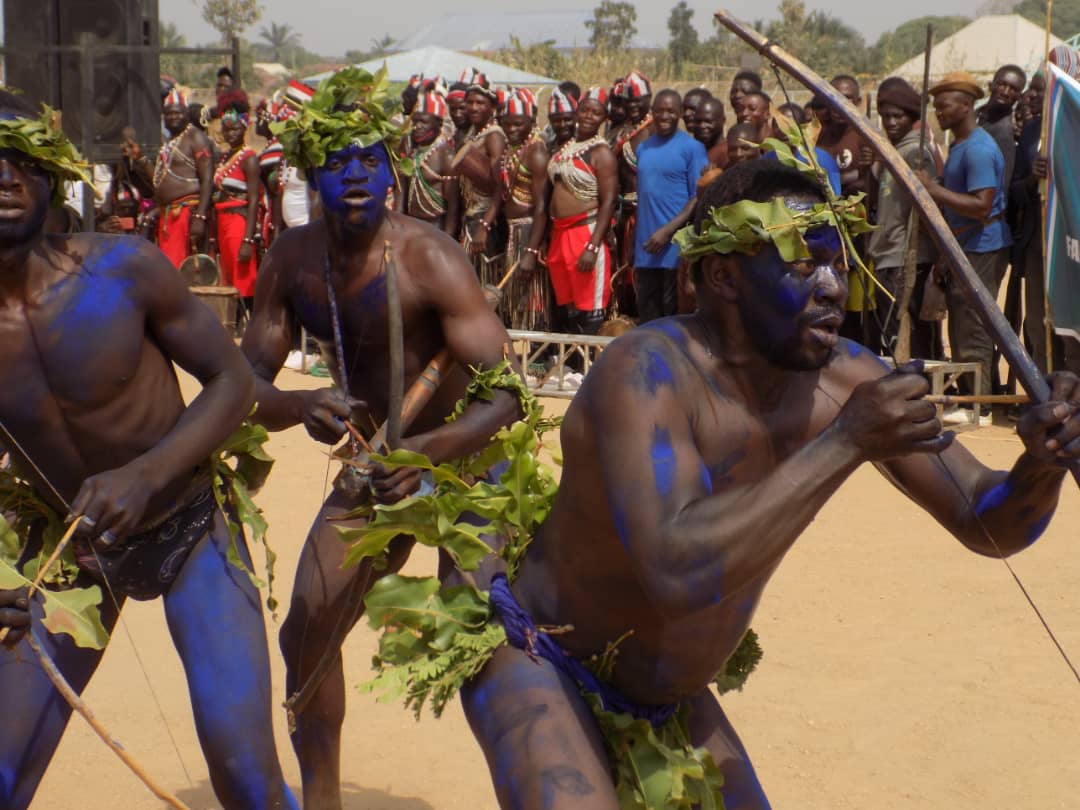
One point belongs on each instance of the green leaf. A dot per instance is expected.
(74, 611)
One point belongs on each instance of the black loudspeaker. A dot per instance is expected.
(126, 85)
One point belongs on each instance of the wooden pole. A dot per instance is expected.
(911, 258)
(1048, 320)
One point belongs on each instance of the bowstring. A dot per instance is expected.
(138, 658)
(1000, 554)
(812, 158)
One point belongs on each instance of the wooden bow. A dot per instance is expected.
(993, 320)
(52, 671)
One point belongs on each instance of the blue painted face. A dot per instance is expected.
(354, 183)
(793, 311)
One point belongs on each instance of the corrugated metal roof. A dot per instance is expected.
(434, 61)
(490, 31)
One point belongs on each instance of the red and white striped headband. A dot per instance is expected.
(174, 98)
(560, 103)
(431, 103)
(297, 94)
(598, 94)
(519, 102)
(635, 85)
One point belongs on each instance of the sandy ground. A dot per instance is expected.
(900, 671)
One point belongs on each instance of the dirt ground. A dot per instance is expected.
(900, 671)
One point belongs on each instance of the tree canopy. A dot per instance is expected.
(613, 26)
(1066, 22)
(230, 17)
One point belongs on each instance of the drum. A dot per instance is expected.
(199, 270)
(224, 301)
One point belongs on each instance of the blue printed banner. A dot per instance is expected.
(1063, 202)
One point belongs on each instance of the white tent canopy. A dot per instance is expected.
(435, 61)
(982, 47)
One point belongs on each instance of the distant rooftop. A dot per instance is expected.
(489, 31)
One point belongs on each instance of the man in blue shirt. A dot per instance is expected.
(670, 162)
(972, 198)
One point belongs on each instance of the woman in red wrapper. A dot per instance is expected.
(236, 199)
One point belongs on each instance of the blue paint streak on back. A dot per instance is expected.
(657, 371)
(663, 461)
(994, 497)
(706, 478)
(670, 328)
(1035, 531)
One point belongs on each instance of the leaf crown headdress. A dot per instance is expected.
(746, 226)
(48, 146)
(350, 107)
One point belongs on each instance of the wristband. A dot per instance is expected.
(533, 251)
(484, 225)
(248, 240)
(197, 215)
(589, 246)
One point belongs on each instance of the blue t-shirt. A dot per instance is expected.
(826, 161)
(974, 164)
(668, 170)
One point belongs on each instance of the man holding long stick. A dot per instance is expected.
(332, 278)
(92, 413)
(740, 422)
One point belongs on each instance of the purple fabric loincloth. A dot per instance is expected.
(522, 633)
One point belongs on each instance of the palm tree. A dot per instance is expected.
(280, 38)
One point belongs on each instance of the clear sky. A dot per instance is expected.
(332, 27)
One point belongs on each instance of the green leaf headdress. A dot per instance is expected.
(350, 107)
(48, 146)
(746, 226)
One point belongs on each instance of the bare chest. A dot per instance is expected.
(79, 344)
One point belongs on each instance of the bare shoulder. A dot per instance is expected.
(601, 156)
(109, 254)
(195, 139)
(650, 361)
(292, 247)
(429, 252)
(852, 364)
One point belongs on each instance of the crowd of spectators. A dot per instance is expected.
(576, 218)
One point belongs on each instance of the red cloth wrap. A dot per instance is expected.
(586, 291)
(231, 227)
(174, 229)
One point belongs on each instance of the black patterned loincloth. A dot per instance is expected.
(146, 563)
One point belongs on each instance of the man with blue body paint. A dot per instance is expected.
(695, 454)
(91, 327)
(329, 277)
